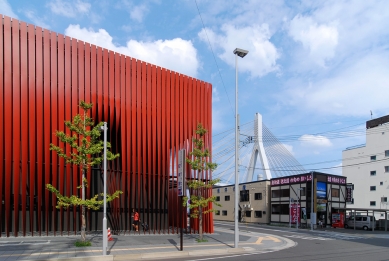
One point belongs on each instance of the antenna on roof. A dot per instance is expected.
(371, 114)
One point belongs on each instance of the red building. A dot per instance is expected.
(151, 113)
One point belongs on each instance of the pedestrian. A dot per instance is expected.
(135, 216)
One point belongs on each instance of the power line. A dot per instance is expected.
(213, 54)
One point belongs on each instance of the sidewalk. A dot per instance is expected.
(139, 247)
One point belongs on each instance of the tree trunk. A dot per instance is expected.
(83, 220)
(201, 223)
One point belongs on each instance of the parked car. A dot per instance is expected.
(364, 222)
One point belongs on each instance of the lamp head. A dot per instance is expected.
(240, 52)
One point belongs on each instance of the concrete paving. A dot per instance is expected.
(139, 246)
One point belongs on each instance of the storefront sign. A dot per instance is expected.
(337, 180)
(349, 193)
(291, 180)
(295, 213)
(181, 173)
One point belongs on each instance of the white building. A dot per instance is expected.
(367, 167)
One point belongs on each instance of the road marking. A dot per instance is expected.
(260, 239)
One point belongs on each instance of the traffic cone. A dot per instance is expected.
(109, 235)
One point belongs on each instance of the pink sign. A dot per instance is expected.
(295, 213)
(291, 180)
(338, 180)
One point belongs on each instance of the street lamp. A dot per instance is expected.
(241, 53)
(105, 236)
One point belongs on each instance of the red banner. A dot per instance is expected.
(295, 213)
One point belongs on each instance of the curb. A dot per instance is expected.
(154, 255)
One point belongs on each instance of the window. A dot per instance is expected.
(372, 203)
(372, 188)
(225, 189)
(280, 193)
(244, 195)
(258, 196)
(217, 212)
(282, 209)
(218, 190)
(302, 192)
(384, 199)
(224, 213)
(373, 157)
(373, 173)
(218, 198)
(335, 193)
(248, 213)
(227, 198)
(381, 183)
(258, 214)
(386, 153)
(386, 168)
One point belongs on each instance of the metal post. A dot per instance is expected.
(236, 155)
(105, 236)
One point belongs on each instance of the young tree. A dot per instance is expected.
(199, 162)
(86, 147)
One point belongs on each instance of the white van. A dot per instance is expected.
(365, 222)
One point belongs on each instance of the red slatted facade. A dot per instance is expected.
(151, 114)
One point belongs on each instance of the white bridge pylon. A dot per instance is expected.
(258, 151)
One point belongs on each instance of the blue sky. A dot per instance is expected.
(315, 69)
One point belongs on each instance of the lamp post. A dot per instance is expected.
(105, 237)
(312, 213)
(241, 53)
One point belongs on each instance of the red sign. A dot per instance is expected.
(295, 213)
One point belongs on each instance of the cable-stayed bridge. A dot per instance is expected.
(261, 155)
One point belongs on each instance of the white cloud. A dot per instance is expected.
(262, 56)
(355, 89)
(138, 12)
(36, 19)
(6, 9)
(315, 141)
(69, 9)
(177, 54)
(320, 39)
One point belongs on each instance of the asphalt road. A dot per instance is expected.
(342, 245)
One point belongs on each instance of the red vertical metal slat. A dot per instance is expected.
(149, 160)
(144, 135)
(39, 120)
(105, 86)
(54, 124)
(74, 110)
(31, 123)
(168, 140)
(139, 129)
(87, 98)
(118, 174)
(123, 132)
(133, 134)
(16, 120)
(110, 105)
(24, 121)
(190, 126)
(60, 125)
(162, 150)
(99, 61)
(153, 159)
(46, 123)
(185, 141)
(211, 229)
(68, 117)
(7, 121)
(1, 119)
(159, 136)
(127, 148)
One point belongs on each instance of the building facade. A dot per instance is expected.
(367, 167)
(253, 202)
(294, 194)
(151, 114)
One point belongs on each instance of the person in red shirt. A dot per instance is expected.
(135, 216)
